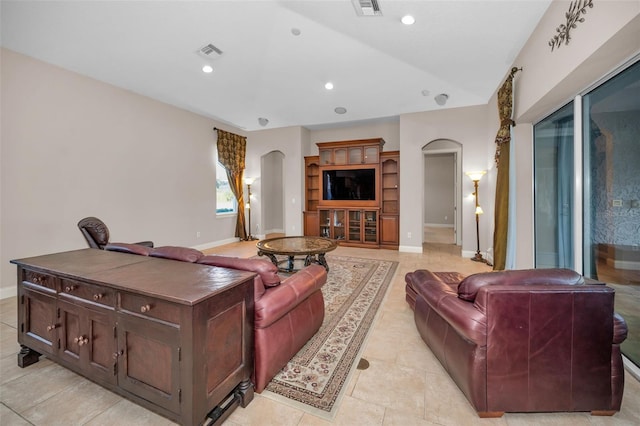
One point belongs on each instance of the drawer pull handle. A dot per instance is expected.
(52, 327)
(81, 340)
(97, 296)
(38, 280)
(118, 354)
(69, 288)
(145, 308)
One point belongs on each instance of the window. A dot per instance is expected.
(225, 200)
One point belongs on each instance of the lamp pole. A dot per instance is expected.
(249, 181)
(478, 257)
(475, 177)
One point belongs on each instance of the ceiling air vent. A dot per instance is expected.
(210, 51)
(367, 7)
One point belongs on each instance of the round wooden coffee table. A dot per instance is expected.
(312, 248)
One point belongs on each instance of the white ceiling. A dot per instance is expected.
(378, 65)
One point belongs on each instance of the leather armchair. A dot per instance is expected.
(97, 234)
(287, 313)
(538, 340)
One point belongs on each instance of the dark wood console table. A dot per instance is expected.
(174, 337)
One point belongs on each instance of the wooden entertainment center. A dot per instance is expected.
(352, 194)
(174, 337)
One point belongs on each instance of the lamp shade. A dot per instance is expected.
(474, 176)
(479, 210)
(249, 180)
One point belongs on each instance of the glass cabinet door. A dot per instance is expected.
(371, 226)
(325, 156)
(355, 155)
(324, 218)
(338, 224)
(371, 154)
(354, 225)
(340, 156)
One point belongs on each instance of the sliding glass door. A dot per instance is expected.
(587, 192)
(611, 215)
(554, 190)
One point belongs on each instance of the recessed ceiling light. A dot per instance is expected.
(207, 68)
(295, 31)
(408, 20)
(425, 92)
(263, 121)
(328, 85)
(340, 110)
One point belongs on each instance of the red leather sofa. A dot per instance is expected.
(538, 340)
(287, 311)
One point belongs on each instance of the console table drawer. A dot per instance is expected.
(38, 279)
(150, 307)
(93, 293)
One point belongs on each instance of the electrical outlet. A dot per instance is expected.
(617, 203)
(408, 234)
(446, 217)
(198, 234)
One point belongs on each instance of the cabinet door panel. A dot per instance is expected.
(389, 229)
(102, 345)
(38, 329)
(70, 334)
(87, 340)
(149, 361)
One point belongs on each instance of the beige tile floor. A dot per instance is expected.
(404, 385)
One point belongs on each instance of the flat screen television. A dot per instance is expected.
(349, 184)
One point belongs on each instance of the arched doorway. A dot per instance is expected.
(272, 194)
(441, 209)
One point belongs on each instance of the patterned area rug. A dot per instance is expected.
(315, 378)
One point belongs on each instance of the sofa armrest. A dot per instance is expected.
(620, 329)
(277, 301)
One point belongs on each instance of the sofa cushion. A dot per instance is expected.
(468, 288)
(183, 254)
(129, 248)
(267, 271)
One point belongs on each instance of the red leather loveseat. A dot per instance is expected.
(525, 340)
(287, 311)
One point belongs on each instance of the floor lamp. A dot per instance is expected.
(475, 177)
(249, 181)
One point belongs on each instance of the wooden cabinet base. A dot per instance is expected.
(173, 337)
(27, 356)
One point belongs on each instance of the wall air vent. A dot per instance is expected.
(367, 7)
(209, 51)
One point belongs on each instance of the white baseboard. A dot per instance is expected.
(6, 292)
(438, 225)
(633, 369)
(215, 243)
(410, 249)
(274, 231)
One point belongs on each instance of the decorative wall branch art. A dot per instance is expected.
(577, 8)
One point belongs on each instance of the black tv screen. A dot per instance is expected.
(354, 184)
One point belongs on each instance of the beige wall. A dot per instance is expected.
(72, 147)
(609, 37)
(290, 141)
(387, 130)
(75, 147)
(468, 127)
